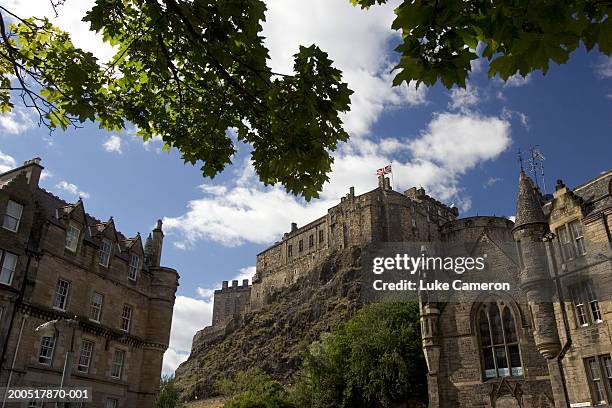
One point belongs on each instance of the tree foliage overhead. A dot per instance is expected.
(440, 37)
(187, 71)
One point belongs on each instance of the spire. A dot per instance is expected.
(528, 206)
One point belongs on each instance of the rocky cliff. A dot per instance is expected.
(275, 337)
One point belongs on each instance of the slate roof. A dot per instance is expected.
(528, 203)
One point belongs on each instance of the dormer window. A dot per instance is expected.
(105, 251)
(12, 216)
(72, 237)
(571, 240)
(133, 270)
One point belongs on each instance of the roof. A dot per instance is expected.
(528, 204)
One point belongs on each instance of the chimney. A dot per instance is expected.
(33, 171)
(352, 192)
(158, 242)
(381, 182)
(245, 282)
(235, 283)
(293, 226)
(387, 183)
(224, 285)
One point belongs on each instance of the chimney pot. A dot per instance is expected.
(224, 285)
(245, 282)
(293, 226)
(235, 283)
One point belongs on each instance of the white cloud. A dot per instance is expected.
(603, 68)
(69, 19)
(113, 144)
(464, 98)
(6, 162)
(491, 182)
(509, 114)
(459, 141)
(17, 121)
(173, 359)
(71, 189)
(245, 211)
(356, 40)
(517, 80)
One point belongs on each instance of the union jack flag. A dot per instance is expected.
(384, 170)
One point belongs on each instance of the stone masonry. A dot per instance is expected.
(548, 344)
(108, 298)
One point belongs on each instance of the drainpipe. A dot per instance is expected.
(18, 303)
(568, 338)
(10, 377)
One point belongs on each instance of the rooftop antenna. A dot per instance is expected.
(537, 163)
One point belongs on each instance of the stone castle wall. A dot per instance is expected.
(380, 215)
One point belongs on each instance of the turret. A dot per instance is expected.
(530, 228)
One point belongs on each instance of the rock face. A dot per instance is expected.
(274, 337)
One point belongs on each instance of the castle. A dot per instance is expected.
(548, 344)
(80, 303)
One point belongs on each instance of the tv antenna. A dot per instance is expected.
(536, 164)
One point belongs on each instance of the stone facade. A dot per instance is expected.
(110, 299)
(554, 342)
(379, 215)
(546, 344)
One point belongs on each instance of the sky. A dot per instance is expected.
(460, 145)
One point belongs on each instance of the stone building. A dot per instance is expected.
(80, 303)
(548, 343)
(379, 215)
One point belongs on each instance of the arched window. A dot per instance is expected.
(499, 341)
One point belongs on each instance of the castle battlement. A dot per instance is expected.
(379, 215)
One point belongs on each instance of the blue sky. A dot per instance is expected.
(461, 145)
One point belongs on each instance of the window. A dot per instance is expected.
(311, 241)
(586, 305)
(47, 344)
(105, 251)
(87, 348)
(12, 216)
(111, 403)
(321, 236)
(126, 317)
(499, 341)
(35, 404)
(301, 245)
(134, 261)
(576, 229)
(607, 363)
(117, 364)
(289, 251)
(95, 309)
(598, 389)
(571, 240)
(72, 237)
(9, 263)
(61, 294)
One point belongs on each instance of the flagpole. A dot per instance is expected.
(392, 181)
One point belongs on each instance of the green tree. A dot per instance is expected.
(373, 360)
(168, 396)
(187, 71)
(440, 36)
(254, 389)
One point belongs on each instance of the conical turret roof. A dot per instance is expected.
(528, 205)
